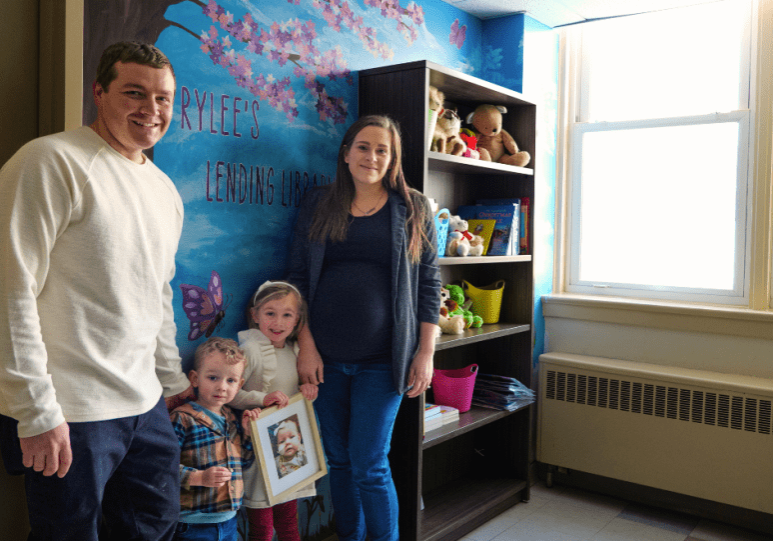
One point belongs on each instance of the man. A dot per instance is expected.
(89, 227)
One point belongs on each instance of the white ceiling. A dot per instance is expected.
(561, 12)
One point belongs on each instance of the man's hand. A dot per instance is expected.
(178, 400)
(49, 452)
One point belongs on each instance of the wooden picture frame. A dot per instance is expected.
(273, 433)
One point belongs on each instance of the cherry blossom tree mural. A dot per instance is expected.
(232, 41)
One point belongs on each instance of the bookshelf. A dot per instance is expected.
(461, 475)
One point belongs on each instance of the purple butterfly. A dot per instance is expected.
(458, 34)
(204, 307)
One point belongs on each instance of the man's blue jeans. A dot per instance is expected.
(127, 469)
(357, 407)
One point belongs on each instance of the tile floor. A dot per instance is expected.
(568, 514)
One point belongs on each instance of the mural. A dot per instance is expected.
(265, 91)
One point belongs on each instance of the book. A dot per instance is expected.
(506, 228)
(520, 247)
(431, 410)
(449, 414)
(484, 228)
(524, 239)
(432, 424)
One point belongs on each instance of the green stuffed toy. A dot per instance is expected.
(457, 294)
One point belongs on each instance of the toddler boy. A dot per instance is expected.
(215, 448)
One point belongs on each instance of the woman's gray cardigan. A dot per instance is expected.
(415, 288)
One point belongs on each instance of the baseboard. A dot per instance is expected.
(719, 512)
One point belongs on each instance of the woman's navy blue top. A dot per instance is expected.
(414, 287)
(354, 323)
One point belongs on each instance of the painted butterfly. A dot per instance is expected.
(458, 33)
(204, 307)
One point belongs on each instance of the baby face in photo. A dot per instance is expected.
(288, 440)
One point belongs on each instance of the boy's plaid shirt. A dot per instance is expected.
(203, 446)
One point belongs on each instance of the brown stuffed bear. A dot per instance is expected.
(494, 143)
(436, 99)
(446, 139)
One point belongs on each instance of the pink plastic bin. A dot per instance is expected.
(454, 387)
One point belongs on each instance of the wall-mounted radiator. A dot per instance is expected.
(692, 432)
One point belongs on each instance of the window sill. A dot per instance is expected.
(732, 321)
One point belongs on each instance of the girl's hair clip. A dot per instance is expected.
(269, 283)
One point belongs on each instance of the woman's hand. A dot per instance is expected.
(420, 373)
(310, 367)
(277, 398)
(309, 391)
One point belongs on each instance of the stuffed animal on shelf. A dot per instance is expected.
(461, 242)
(463, 306)
(458, 237)
(446, 138)
(471, 140)
(447, 323)
(436, 99)
(497, 143)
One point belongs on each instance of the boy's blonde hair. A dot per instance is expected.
(229, 348)
(270, 291)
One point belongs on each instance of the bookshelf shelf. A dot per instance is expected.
(486, 332)
(475, 260)
(470, 420)
(455, 511)
(456, 477)
(457, 164)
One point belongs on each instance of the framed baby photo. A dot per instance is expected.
(288, 448)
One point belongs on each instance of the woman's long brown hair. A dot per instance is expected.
(331, 218)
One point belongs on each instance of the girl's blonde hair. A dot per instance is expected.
(229, 348)
(270, 291)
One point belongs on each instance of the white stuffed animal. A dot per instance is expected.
(458, 237)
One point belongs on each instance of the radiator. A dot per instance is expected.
(692, 432)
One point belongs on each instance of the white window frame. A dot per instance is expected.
(754, 177)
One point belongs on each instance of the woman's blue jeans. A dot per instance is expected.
(357, 406)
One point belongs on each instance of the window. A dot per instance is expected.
(659, 156)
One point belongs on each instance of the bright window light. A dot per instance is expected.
(669, 63)
(660, 155)
(660, 219)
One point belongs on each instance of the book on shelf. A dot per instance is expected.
(525, 240)
(449, 414)
(433, 423)
(506, 228)
(484, 228)
(431, 410)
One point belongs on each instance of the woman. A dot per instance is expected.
(364, 258)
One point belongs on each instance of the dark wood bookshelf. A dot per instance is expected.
(455, 478)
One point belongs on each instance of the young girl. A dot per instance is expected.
(275, 314)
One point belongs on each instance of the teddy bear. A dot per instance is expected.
(457, 296)
(436, 99)
(458, 237)
(447, 323)
(446, 138)
(461, 242)
(497, 143)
